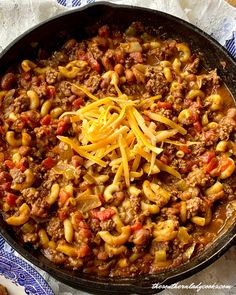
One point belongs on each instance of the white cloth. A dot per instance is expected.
(213, 16)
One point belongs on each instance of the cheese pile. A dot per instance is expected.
(115, 133)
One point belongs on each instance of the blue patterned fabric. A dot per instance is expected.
(231, 45)
(1, 243)
(74, 3)
(21, 273)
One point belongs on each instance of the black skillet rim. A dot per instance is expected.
(142, 284)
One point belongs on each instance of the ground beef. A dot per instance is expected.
(159, 246)
(141, 238)
(51, 76)
(30, 118)
(59, 56)
(156, 82)
(24, 150)
(49, 179)
(135, 203)
(17, 125)
(21, 103)
(193, 206)
(96, 52)
(179, 91)
(170, 213)
(45, 136)
(55, 228)
(93, 82)
(6, 103)
(108, 225)
(224, 131)
(74, 263)
(193, 67)
(210, 80)
(54, 256)
(5, 177)
(107, 60)
(198, 177)
(94, 224)
(65, 88)
(162, 53)
(30, 238)
(30, 195)
(132, 89)
(178, 100)
(198, 149)
(17, 175)
(40, 208)
(166, 113)
(226, 126)
(40, 90)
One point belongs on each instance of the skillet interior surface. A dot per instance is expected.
(81, 24)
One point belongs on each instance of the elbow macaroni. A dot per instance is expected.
(116, 240)
(22, 218)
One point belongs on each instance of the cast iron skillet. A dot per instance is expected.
(81, 24)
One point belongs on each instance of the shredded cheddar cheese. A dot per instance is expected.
(164, 120)
(125, 164)
(114, 128)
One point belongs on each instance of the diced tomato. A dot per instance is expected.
(77, 217)
(2, 193)
(2, 130)
(81, 55)
(62, 215)
(85, 234)
(93, 63)
(61, 129)
(104, 31)
(164, 159)
(48, 163)
(20, 166)
(119, 56)
(104, 214)
(30, 118)
(83, 224)
(46, 120)
(11, 199)
(63, 197)
(6, 186)
(194, 116)
(76, 161)
(84, 250)
(101, 198)
(63, 126)
(9, 164)
(198, 127)
(207, 156)
(51, 92)
(211, 165)
(136, 226)
(224, 163)
(199, 103)
(78, 103)
(185, 149)
(164, 105)
(209, 135)
(26, 75)
(187, 167)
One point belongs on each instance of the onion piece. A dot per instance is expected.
(86, 203)
(131, 47)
